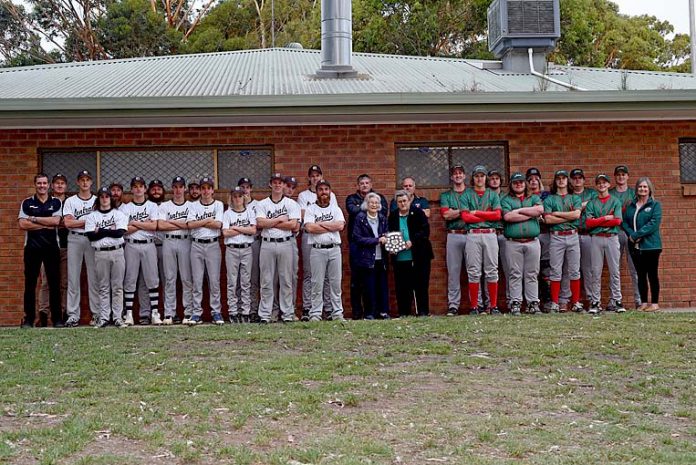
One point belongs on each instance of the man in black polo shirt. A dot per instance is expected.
(39, 216)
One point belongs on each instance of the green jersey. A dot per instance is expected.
(586, 195)
(499, 224)
(596, 209)
(454, 200)
(563, 203)
(524, 229)
(625, 197)
(489, 201)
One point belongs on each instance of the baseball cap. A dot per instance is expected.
(179, 180)
(479, 169)
(237, 191)
(324, 182)
(290, 180)
(577, 172)
(155, 182)
(314, 168)
(84, 173)
(493, 172)
(276, 176)
(533, 172)
(59, 176)
(194, 183)
(601, 176)
(207, 180)
(620, 168)
(104, 190)
(458, 167)
(244, 181)
(116, 184)
(517, 177)
(138, 179)
(560, 173)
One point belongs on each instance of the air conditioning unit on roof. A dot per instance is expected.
(523, 24)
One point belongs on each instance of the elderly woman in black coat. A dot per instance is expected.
(411, 265)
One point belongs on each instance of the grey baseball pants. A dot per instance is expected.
(326, 263)
(238, 264)
(623, 242)
(523, 267)
(276, 258)
(586, 263)
(456, 257)
(176, 259)
(142, 288)
(482, 257)
(564, 249)
(275, 312)
(79, 249)
(255, 275)
(141, 256)
(606, 248)
(206, 258)
(110, 270)
(307, 278)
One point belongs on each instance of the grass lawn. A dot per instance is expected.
(553, 389)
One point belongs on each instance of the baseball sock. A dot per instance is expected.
(575, 290)
(555, 291)
(473, 294)
(128, 298)
(493, 294)
(154, 299)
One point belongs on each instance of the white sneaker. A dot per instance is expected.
(129, 319)
(168, 321)
(156, 320)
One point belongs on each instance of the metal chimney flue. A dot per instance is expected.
(336, 39)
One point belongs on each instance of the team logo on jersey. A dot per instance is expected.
(205, 214)
(242, 221)
(328, 216)
(140, 216)
(85, 210)
(178, 215)
(105, 223)
(277, 213)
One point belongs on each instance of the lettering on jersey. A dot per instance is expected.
(86, 210)
(205, 214)
(106, 222)
(277, 213)
(177, 215)
(328, 216)
(142, 215)
(241, 221)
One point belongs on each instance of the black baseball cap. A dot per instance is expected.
(314, 168)
(138, 179)
(155, 182)
(494, 172)
(601, 176)
(244, 181)
(237, 191)
(84, 173)
(517, 177)
(577, 172)
(620, 168)
(116, 184)
(104, 190)
(276, 176)
(290, 180)
(179, 180)
(533, 172)
(207, 180)
(458, 167)
(324, 182)
(58, 176)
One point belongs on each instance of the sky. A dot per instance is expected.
(674, 11)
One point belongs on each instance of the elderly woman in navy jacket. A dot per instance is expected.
(412, 265)
(371, 257)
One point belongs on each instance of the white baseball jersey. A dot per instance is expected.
(169, 211)
(113, 219)
(270, 210)
(317, 214)
(198, 211)
(307, 198)
(78, 208)
(244, 219)
(142, 212)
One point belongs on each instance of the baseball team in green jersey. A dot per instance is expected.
(562, 237)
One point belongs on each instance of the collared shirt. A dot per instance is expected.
(32, 206)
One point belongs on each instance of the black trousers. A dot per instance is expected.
(647, 263)
(33, 259)
(412, 279)
(373, 288)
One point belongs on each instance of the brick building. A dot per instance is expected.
(249, 113)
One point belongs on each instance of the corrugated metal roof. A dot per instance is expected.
(290, 72)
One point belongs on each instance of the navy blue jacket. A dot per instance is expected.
(364, 240)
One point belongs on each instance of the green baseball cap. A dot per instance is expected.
(517, 177)
(560, 173)
(479, 169)
(620, 168)
(601, 176)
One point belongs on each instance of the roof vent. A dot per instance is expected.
(514, 26)
(295, 46)
(336, 39)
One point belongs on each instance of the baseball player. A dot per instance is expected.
(116, 189)
(205, 220)
(577, 181)
(59, 183)
(604, 218)
(494, 182)
(409, 185)
(194, 191)
(562, 212)
(278, 216)
(140, 251)
(626, 195)
(238, 229)
(251, 203)
(305, 199)
(39, 215)
(176, 251)
(105, 228)
(521, 212)
(80, 249)
(323, 222)
(481, 212)
(451, 206)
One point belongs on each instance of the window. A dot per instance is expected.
(687, 160)
(430, 164)
(226, 164)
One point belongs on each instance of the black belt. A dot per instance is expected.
(277, 239)
(205, 241)
(78, 233)
(108, 249)
(136, 241)
(239, 246)
(174, 236)
(325, 246)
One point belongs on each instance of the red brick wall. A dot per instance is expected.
(649, 148)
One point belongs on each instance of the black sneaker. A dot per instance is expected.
(235, 319)
(176, 319)
(26, 324)
(533, 308)
(144, 321)
(58, 324)
(305, 315)
(516, 308)
(495, 311)
(619, 307)
(244, 319)
(263, 322)
(254, 317)
(384, 316)
(43, 320)
(452, 311)
(474, 311)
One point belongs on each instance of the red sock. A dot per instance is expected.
(473, 294)
(493, 294)
(555, 291)
(575, 290)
